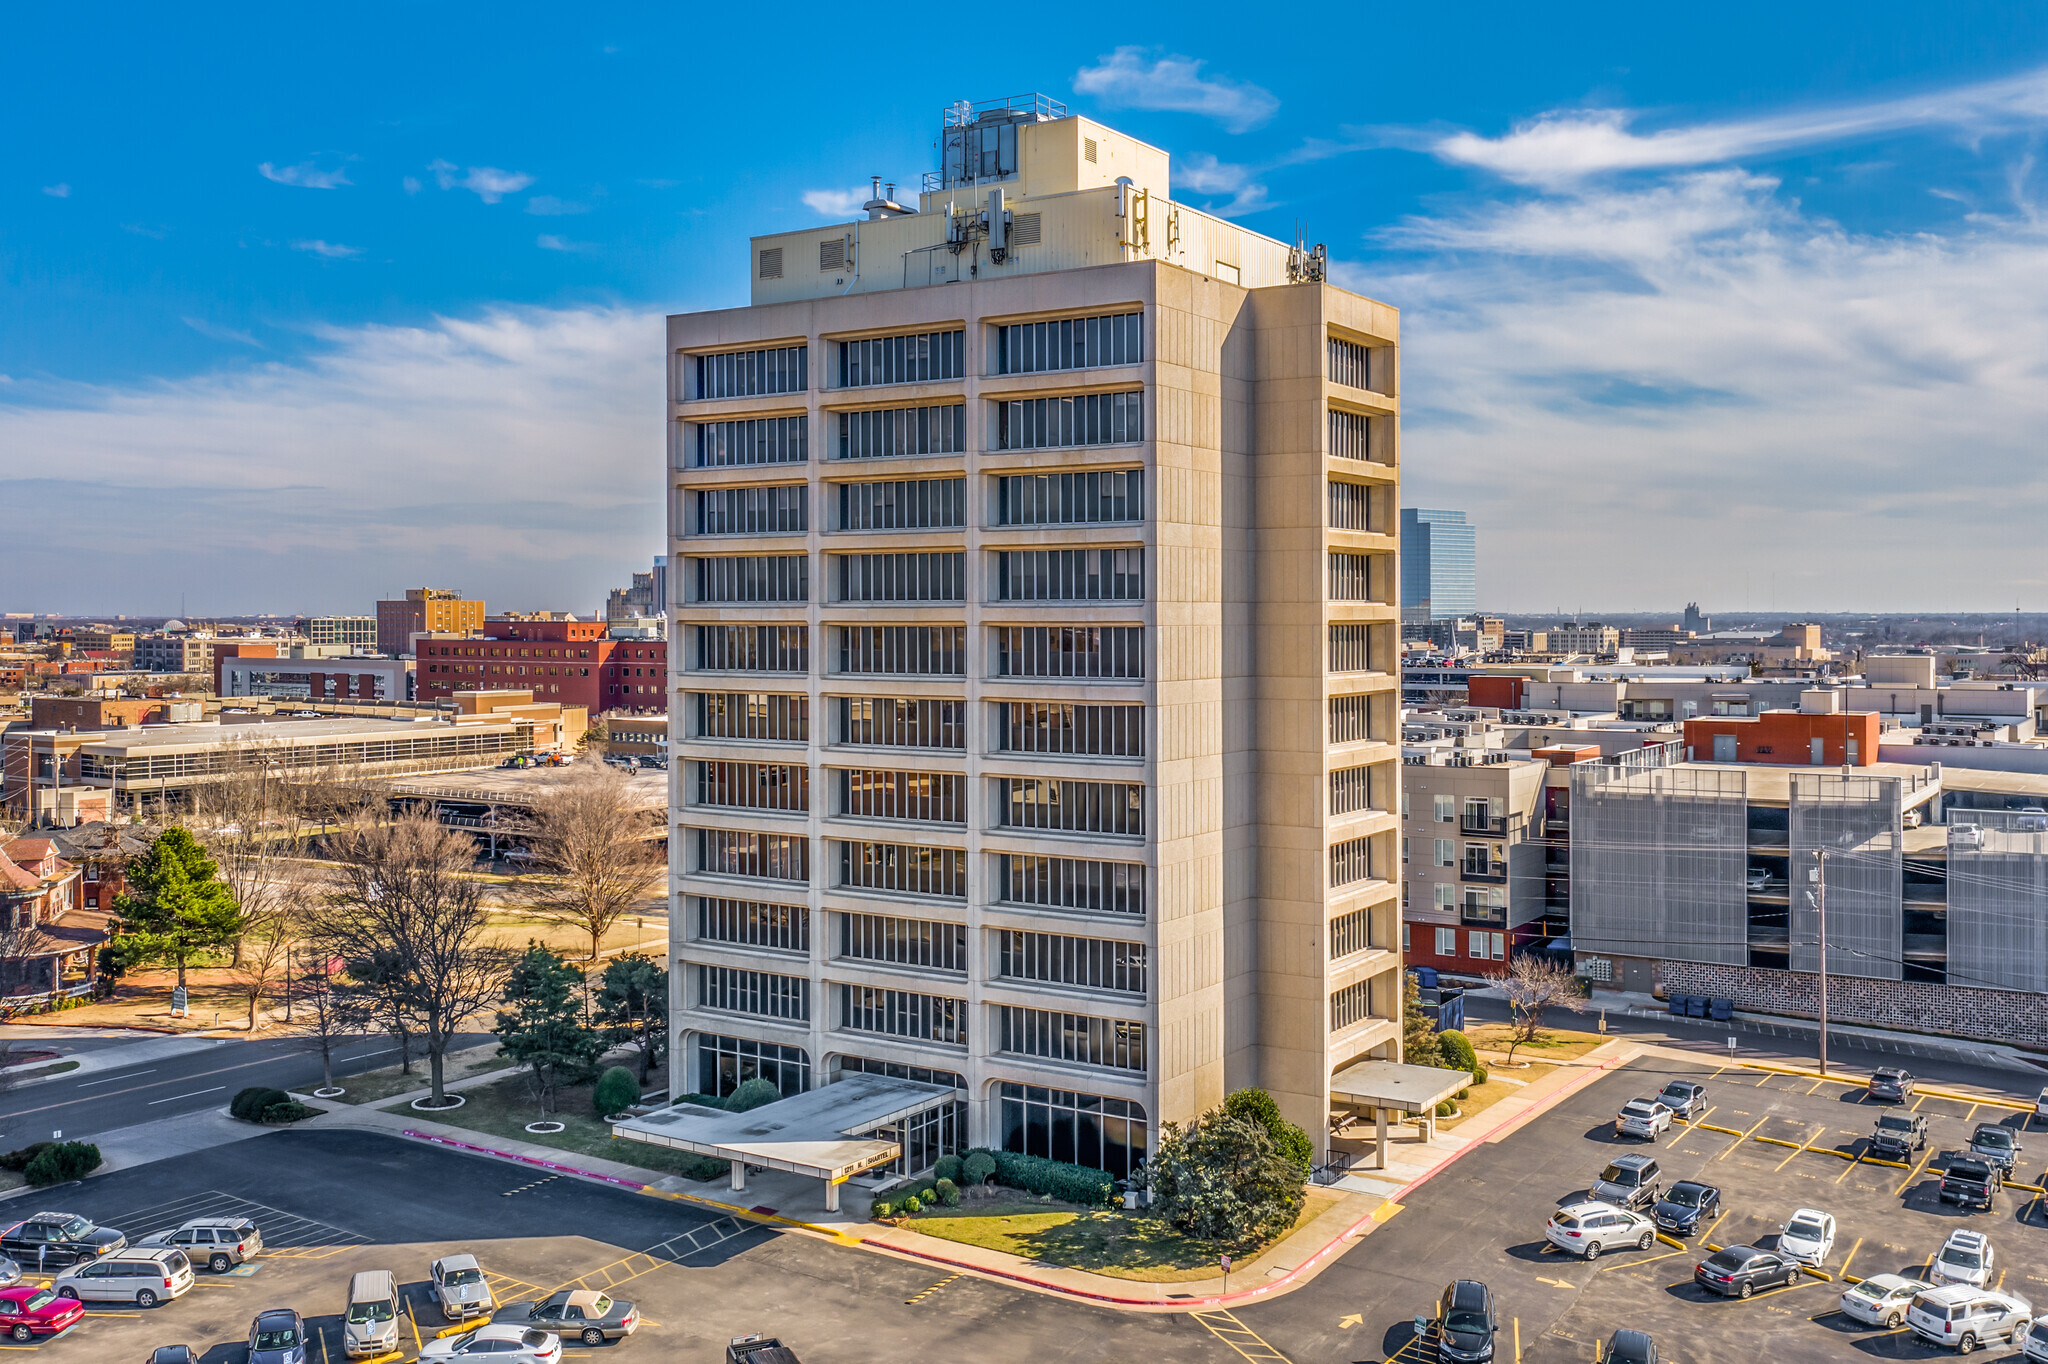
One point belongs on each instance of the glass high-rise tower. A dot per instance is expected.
(1439, 574)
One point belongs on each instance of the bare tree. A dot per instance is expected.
(407, 908)
(334, 1009)
(1534, 985)
(594, 849)
(253, 820)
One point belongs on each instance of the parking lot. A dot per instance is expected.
(1786, 1143)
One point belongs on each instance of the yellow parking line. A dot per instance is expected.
(1518, 1340)
(1844, 1270)
(1804, 1146)
(1913, 1175)
(1744, 1137)
(1916, 1104)
(1632, 1264)
(1854, 1161)
(1818, 1083)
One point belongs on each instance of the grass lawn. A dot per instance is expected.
(1552, 1044)
(374, 1085)
(1122, 1245)
(502, 1108)
(1482, 1097)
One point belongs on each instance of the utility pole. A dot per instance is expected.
(1820, 905)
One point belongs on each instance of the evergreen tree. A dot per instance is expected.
(632, 1004)
(543, 1029)
(176, 904)
(1418, 1035)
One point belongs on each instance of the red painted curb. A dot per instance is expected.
(518, 1159)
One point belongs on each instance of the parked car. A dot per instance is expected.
(143, 1275)
(2037, 1342)
(1882, 1299)
(459, 1287)
(759, 1349)
(1642, 1118)
(2032, 820)
(277, 1336)
(1685, 1207)
(1464, 1324)
(29, 1310)
(1890, 1083)
(2041, 1104)
(507, 1344)
(1898, 1136)
(1966, 1257)
(51, 1240)
(1971, 1182)
(10, 1272)
(590, 1316)
(1995, 1145)
(1759, 879)
(1965, 1317)
(219, 1243)
(173, 1354)
(1629, 1347)
(1628, 1182)
(369, 1319)
(1739, 1271)
(1686, 1099)
(1590, 1228)
(1808, 1237)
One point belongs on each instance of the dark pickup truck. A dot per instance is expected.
(759, 1350)
(1971, 1182)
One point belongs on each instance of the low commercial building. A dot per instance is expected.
(350, 632)
(574, 662)
(174, 653)
(318, 671)
(425, 610)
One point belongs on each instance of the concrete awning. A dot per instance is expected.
(1391, 1085)
(820, 1133)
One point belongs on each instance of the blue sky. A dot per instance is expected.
(298, 308)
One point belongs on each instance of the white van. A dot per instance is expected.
(142, 1275)
(369, 1322)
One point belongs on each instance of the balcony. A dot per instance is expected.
(1487, 873)
(1495, 826)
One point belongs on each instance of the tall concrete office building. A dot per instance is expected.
(1439, 566)
(1034, 682)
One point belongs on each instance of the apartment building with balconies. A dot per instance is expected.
(1034, 613)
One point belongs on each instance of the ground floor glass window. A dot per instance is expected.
(1084, 1129)
(723, 1063)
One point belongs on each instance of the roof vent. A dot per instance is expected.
(771, 262)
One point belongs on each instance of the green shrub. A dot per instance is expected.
(250, 1103)
(752, 1094)
(291, 1110)
(1446, 1108)
(703, 1169)
(947, 1168)
(18, 1161)
(1479, 1074)
(702, 1100)
(911, 1204)
(1456, 1049)
(63, 1162)
(949, 1193)
(616, 1091)
(1465, 1093)
(882, 1208)
(1055, 1178)
(1256, 1105)
(979, 1167)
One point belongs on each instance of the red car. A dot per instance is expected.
(27, 1311)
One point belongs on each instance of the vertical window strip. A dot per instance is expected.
(903, 577)
(925, 357)
(933, 797)
(741, 852)
(761, 993)
(1073, 883)
(753, 715)
(1350, 719)
(1058, 727)
(1112, 1042)
(1071, 575)
(886, 433)
(1065, 423)
(903, 942)
(751, 373)
(901, 1013)
(754, 440)
(754, 923)
(1351, 507)
(1096, 807)
(775, 509)
(1070, 343)
(904, 504)
(1351, 577)
(754, 648)
(1350, 1005)
(1351, 861)
(754, 786)
(1350, 934)
(754, 578)
(902, 722)
(1353, 650)
(1350, 790)
(904, 868)
(1350, 364)
(1070, 499)
(1350, 435)
(1096, 963)
(1092, 651)
(907, 650)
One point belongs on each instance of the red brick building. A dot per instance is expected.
(1786, 738)
(569, 661)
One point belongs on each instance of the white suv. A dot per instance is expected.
(1964, 1258)
(1642, 1118)
(1589, 1228)
(1964, 1318)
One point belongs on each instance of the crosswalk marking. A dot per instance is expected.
(1249, 1343)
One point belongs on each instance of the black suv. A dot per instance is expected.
(48, 1240)
(1970, 1182)
(1464, 1323)
(1898, 1136)
(1890, 1083)
(1684, 1206)
(1686, 1099)
(1995, 1145)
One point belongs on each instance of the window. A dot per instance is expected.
(1447, 942)
(890, 722)
(931, 796)
(749, 373)
(1097, 963)
(739, 852)
(726, 1063)
(902, 577)
(883, 433)
(924, 1075)
(1353, 649)
(899, 1013)
(1057, 727)
(905, 504)
(1093, 651)
(1404, 862)
(1094, 1130)
(1484, 905)
(756, 786)
(1070, 499)
(1351, 577)
(761, 993)
(1446, 896)
(1445, 808)
(754, 578)
(913, 650)
(925, 357)
(1351, 507)
(904, 868)
(1404, 927)
(1114, 1042)
(1070, 575)
(776, 509)
(1351, 933)
(1350, 719)
(1351, 790)
(1351, 861)
(760, 440)
(1352, 1004)
(1070, 343)
(1073, 883)
(1485, 815)
(1481, 859)
(750, 923)
(1074, 806)
(903, 942)
(1486, 946)
(1067, 423)
(1350, 364)
(754, 648)
(753, 715)
(1446, 852)
(1350, 435)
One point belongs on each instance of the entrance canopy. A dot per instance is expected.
(820, 1133)
(1391, 1085)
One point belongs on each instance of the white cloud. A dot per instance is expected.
(837, 203)
(218, 333)
(1561, 146)
(548, 241)
(488, 183)
(548, 206)
(517, 454)
(1204, 174)
(57, 191)
(411, 184)
(1125, 79)
(305, 175)
(331, 250)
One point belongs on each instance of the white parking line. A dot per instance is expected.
(111, 1078)
(193, 1095)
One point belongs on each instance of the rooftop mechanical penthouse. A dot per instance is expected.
(1035, 628)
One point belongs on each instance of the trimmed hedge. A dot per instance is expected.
(1457, 1049)
(18, 1161)
(1479, 1074)
(979, 1167)
(948, 1192)
(947, 1168)
(1068, 1183)
(63, 1162)
(291, 1110)
(752, 1094)
(251, 1103)
(616, 1090)
(882, 1208)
